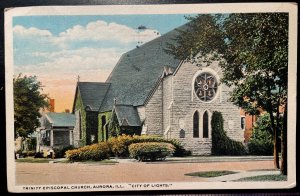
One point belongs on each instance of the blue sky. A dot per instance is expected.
(56, 24)
(59, 48)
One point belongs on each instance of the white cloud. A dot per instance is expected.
(93, 31)
(58, 70)
(74, 61)
(103, 31)
(59, 74)
(30, 32)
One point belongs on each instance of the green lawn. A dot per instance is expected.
(45, 160)
(209, 174)
(273, 177)
(33, 160)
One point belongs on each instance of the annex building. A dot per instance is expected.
(151, 92)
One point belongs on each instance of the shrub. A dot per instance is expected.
(60, 152)
(221, 143)
(39, 155)
(28, 153)
(119, 145)
(261, 141)
(151, 150)
(96, 152)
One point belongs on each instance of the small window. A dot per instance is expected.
(182, 133)
(196, 124)
(243, 122)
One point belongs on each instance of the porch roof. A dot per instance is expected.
(61, 119)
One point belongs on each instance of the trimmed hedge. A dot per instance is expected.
(96, 152)
(61, 152)
(151, 150)
(119, 145)
(221, 143)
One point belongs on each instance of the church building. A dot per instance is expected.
(151, 92)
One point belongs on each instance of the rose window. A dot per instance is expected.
(205, 86)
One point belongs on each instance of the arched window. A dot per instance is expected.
(182, 134)
(205, 124)
(196, 124)
(103, 122)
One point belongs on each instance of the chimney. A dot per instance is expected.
(52, 105)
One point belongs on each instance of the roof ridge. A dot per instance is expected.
(104, 97)
(160, 37)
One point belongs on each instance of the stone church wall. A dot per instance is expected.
(167, 98)
(153, 113)
(186, 103)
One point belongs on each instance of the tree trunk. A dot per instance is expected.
(275, 141)
(284, 143)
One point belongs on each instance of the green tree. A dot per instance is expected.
(261, 141)
(28, 100)
(253, 53)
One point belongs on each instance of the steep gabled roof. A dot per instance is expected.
(92, 94)
(138, 71)
(61, 119)
(127, 115)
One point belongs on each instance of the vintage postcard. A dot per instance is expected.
(151, 97)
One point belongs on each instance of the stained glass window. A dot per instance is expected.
(205, 86)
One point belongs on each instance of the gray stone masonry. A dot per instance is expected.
(174, 103)
(154, 113)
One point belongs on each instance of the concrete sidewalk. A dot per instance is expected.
(201, 159)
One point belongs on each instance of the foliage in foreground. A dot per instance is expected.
(209, 174)
(151, 151)
(261, 141)
(28, 100)
(96, 152)
(60, 152)
(252, 49)
(221, 143)
(119, 145)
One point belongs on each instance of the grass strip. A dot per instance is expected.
(271, 177)
(210, 174)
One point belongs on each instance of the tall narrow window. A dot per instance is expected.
(205, 125)
(196, 124)
(103, 122)
(243, 122)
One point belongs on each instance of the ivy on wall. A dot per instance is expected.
(221, 143)
(113, 126)
(102, 133)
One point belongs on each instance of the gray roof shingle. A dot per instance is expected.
(61, 119)
(138, 71)
(127, 115)
(93, 93)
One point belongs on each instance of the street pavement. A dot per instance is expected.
(129, 170)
